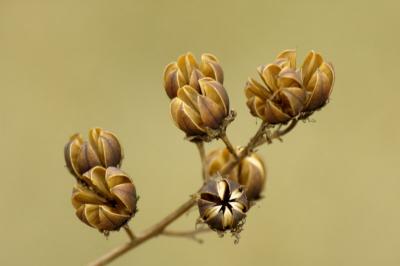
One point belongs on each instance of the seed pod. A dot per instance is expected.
(252, 176)
(282, 97)
(106, 199)
(193, 112)
(318, 77)
(223, 205)
(186, 71)
(250, 173)
(103, 149)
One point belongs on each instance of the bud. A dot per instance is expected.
(106, 199)
(251, 172)
(318, 77)
(102, 149)
(186, 71)
(194, 112)
(282, 97)
(223, 205)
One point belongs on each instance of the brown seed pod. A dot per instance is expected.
(194, 112)
(288, 92)
(223, 205)
(103, 148)
(282, 97)
(105, 199)
(251, 172)
(186, 71)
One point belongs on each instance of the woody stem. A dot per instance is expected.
(160, 226)
(129, 232)
(191, 234)
(228, 144)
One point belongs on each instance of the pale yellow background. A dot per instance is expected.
(333, 194)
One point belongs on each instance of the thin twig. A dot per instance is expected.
(278, 133)
(257, 140)
(129, 232)
(151, 232)
(228, 144)
(202, 152)
(192, 234)
(159, 227)
(289, 128)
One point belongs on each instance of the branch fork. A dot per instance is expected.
(262, 136)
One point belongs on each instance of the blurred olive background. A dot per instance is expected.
(332, 196)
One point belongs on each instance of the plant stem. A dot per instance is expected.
(152, 231)
(129, 232)
(188, 234)
(228, 144)
(257, 140)
(278, 133)
(158, 228)
(289, 128)
(202, 152)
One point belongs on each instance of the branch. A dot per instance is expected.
(129, 232)
(278, 133)
(258, 139)
(228, 144)
(188, 234)
(152, 231)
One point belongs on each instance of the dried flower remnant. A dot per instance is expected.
(223, 205)
(106, 199)
(196, 112)
(186, 71)
(282, 97)
(103, 148)
(251, 172)
(289, 92)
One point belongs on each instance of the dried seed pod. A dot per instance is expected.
(194, 112)
(252, 176)
(105, 199)
(103, 148)
(318, 78)
(282, 97)
(251, 172)
(223, 205)
(186, 71)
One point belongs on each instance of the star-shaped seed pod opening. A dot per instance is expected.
(223, 204)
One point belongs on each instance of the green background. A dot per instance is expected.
(332, 196)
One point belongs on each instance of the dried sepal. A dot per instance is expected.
(318, 78)
(216, 92)
(289, 58)
(211, 67)
(274, 113)
(252, 176)
(186, 118)
(107, 146)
